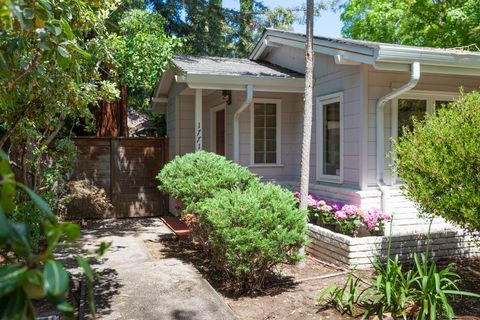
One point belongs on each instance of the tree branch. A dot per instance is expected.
(20, 74)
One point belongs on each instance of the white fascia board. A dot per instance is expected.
(428, 57)
(324, 43)
(221, 82)
(325, 47)
(405, 67)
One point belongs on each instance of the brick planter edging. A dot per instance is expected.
(344, 250)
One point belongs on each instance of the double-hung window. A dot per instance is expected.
(329, 136)
(266, 132)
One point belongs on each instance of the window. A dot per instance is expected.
(329, 128)
(416, 104)
(409, 109)
(265, 125)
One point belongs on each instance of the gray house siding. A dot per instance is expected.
(330, 78)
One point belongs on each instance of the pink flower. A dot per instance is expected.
(342, 215)
(350, 210)
(311, 202)
(385, 216)
(321, 203)
(325, 208)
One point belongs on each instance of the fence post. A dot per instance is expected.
(113, 173)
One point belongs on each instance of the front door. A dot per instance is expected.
(220, 132)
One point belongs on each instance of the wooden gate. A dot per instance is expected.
(125, 168)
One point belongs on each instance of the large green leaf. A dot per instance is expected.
(87, 270)
(19, 240)
(56, 278)
(11, 276)
(16, 306)
(66, 29)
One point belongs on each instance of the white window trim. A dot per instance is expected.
(213, 126)
(431, 97)
(320, 102)
(278, 103)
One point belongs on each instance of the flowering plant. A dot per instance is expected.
(347, 218)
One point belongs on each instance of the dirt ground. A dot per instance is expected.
(294, 294)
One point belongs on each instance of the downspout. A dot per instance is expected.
(380, 111)
(236, 129)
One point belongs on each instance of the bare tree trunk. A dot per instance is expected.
(112, 117)
(307, 112)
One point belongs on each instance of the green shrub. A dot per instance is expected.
(439, 162)
(251, 231)
(200, 175)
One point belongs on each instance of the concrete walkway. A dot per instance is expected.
(132, 285)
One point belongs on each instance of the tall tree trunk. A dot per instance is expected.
(307, 112)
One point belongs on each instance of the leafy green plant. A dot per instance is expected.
(251, 231)
(33, 275)
(393, 289)
(347, 298)
(433, 287)
(196, 176)
(438, 162)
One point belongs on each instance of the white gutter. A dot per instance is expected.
(236, 129)
(380, 111)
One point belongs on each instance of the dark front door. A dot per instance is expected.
(220, 132)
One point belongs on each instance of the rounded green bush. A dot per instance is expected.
(439, 162)
(252, 230)
(196, 176)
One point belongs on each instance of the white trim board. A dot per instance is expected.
(213, 126)
(278, 103)
(320, 102)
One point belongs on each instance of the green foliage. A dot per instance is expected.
(439, 159)
(196, 176)
(251, 231)
(47, 73)
(32, 275)
(345, 298)
(420, 23)
(143, 49)
(394, 289)
(247, 227)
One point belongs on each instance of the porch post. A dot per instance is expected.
(198, 120)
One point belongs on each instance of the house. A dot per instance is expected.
(251, 110)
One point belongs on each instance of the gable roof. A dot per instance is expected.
(383, 56)
(231, 67)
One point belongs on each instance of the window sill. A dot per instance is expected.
(267, 165)
(329, 180)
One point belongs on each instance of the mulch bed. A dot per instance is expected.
(292, 294)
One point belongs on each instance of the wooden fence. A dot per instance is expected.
(125, 168)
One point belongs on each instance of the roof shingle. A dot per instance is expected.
(231, 67)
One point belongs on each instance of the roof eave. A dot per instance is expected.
(400, 59)
(382, 57)
(273, 38)
(229, 82)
